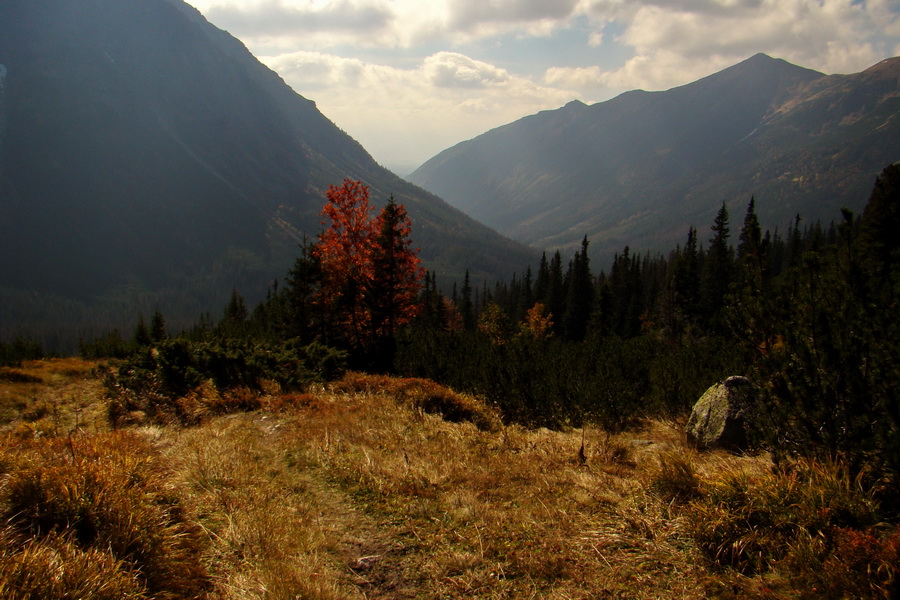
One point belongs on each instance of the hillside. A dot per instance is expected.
(641, 168)
(148, 159)
(353, 492)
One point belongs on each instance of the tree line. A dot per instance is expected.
(806, 314)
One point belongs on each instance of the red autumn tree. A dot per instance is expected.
(370, 273)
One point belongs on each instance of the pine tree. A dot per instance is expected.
(236, 311)
(879, 235)
(717, 270)
(686, 277)
(142, 334)
(579, 295)
(302, 318)
(750, 241)
(157, 327)
(542, 282)
(556, 292)
(465, 305)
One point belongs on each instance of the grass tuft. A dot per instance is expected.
(425, 395)
(675, 479)
(57, 567)
(105, 493)
(813, 523)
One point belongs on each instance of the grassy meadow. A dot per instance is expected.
(378, 487)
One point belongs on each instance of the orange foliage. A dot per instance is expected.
(538, 323)
(370, 274)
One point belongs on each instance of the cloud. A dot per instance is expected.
(471, 15)
(453, 70)
(276, 17)
(383, 23)
(405, 115)
(406, 76)
(677, 41)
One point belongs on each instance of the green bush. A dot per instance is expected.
(159, 383)
(18, 350)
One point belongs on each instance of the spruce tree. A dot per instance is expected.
(579, 296)
(717, 269)
(687, 277)
(466, 307)
(302, 283)
(157, 327)
(142, 334)
(750, 240)
(236, 311)
(556, 293)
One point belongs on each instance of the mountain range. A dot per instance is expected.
(643, 167)
(148, 160)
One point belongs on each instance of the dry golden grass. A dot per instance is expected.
(379, 487)
(106, 500)
(51, 397)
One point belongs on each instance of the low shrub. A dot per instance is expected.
(17, 376)
(814, 524)
(181, 382)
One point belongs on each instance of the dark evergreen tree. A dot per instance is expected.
(717, 269)
(686, 278)
(556, 293)
(579, 296)
(142, 334)
(879, 235)
(236, 311)
(750, 241)
(465, 304)
(626, 290)
(302, 318)
(528, 290)
(542, 282)
(157, 327)
(392, 292)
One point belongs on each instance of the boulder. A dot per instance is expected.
(718, 419)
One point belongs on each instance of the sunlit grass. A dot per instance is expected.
(380, 487)
(51, 397)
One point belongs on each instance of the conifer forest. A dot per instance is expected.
(807, 314)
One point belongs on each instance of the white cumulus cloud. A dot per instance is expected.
(408, 78)
(405, 115)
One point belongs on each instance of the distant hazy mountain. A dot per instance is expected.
(146, 154)
(641, 168)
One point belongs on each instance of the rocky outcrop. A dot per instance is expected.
(719, 418)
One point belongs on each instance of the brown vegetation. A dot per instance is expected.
(379, 487)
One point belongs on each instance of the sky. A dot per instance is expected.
(409, 78)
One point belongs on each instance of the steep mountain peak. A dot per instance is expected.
(760, 74)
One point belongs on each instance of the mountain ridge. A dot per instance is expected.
(148, 152)
(642, 167)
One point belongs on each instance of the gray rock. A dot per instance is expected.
(718, 419)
